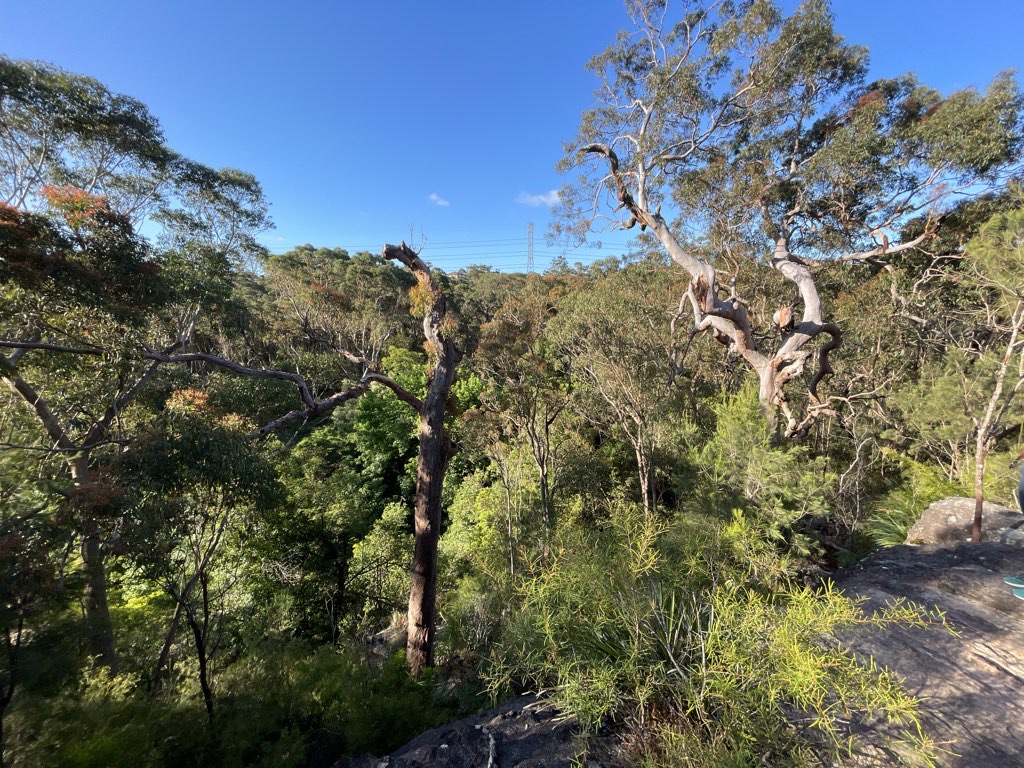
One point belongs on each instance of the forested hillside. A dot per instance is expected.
(282, 508)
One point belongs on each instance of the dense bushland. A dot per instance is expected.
(652, 477)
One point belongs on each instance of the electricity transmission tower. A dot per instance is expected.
(529, 249)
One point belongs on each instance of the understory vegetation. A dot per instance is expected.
(216, 467)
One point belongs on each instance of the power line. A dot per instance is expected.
(501, 254)
(449, 245)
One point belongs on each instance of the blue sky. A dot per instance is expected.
(369, 122)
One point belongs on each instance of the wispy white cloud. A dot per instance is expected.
(436, 199)
(549, 198)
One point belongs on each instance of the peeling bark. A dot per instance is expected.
(436, 449)
(728, 319)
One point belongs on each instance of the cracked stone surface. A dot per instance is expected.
(972, 684)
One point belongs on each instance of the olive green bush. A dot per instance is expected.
(620, 627)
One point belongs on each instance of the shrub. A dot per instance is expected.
(620, 628)
(901, 507)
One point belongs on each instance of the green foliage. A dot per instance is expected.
(384, 428)
(81, 253)
(619, 629)
(902, 506)
(80, 132)
(283, 705)
(287, 706)
(997, 251)
(307, 543)
(328, 300)
(937, 409)
(100, 721)
(63, 129)
(781, 488)
(476, 538)
(615, 338)
(688, 620)
(380, 566)
(969, 131)
(194, 447)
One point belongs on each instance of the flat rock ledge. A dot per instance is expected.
(524, 732)
(971, 685)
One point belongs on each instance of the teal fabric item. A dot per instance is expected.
(1014, 581)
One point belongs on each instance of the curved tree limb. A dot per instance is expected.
(30, 345)
(886, 249)
(259, 373)
(729, 318)
(56, 433)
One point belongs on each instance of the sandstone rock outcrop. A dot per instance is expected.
(971, 684)
(949, 521)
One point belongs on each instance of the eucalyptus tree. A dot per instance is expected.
(142, 359)
(353, 305)
(59, 128)
(615, 334)
(969, 399)
(194, 479)
(996, 256)
(67, 129)
(74, 283)
(745, 140)
(29, 571)
(436, 447)
(527, 384)
(81, 169)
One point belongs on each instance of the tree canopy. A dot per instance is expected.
(279, 508)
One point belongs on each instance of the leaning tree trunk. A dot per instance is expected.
(993, 416)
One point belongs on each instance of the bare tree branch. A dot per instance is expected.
(30, 345)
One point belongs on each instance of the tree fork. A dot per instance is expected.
(728, 318)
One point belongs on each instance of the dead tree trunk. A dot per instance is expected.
(436, 450)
